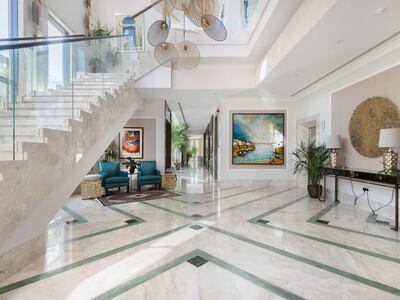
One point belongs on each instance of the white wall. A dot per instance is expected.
(155, 109)
(71, 13)
(256, 175)
(318, 101)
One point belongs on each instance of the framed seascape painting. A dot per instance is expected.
(133, 29)
(131, 142)
(258, 139)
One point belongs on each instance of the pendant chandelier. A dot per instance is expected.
(185, 54)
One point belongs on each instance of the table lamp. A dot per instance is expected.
(389, 138)
(333, 143)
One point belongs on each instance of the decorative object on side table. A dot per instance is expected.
(389, 138)
(334, 143)
(131, 165)
(311, 159)
(91, 187)
(367, 120)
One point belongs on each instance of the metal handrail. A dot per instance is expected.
(74, 40)
(40, 38)
(54, 42)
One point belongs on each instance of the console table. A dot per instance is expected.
(371, 177)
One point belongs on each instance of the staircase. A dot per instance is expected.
(49, 139)
(52, 110)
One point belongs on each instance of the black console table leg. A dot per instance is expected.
(336, 188)
(396, 208)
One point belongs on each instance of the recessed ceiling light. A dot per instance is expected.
(380, 11)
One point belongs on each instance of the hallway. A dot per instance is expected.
(211, 243)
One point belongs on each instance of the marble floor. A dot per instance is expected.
(235, 242)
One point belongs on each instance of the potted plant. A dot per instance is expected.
(103, 57)
(110, 153)
(180, 139)
(131, 165)
(311, 159)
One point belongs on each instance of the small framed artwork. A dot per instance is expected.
(131, 142)
(258, 139)
(133, 29)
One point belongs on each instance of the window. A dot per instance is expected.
(4, 19)
(129, 28)
(8, 19)
(58, 72)
(8, 29)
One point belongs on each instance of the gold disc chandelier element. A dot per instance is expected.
(158, 33)
(189, 54)
(185, 54)
(166, 54)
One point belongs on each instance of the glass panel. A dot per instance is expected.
(49, 85)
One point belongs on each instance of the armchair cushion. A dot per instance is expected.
(148, 168)
(152, 178)
(123, 174)
(109, 169)
(116, 179)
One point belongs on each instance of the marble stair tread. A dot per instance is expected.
(37, 112)
(96, 83)
(10, 155)
(19, 143)
(70, 93)
(33, 120)
(101, 80)
(48, 105)
(7, 139)
(56, 98)
(28, 130)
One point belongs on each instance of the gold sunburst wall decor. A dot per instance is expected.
(366, 122)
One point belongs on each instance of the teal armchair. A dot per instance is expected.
(148, 174)
(112, 176)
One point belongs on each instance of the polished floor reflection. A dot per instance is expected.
(234, 242)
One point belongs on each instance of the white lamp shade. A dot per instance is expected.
(389, 137)
(334, 142)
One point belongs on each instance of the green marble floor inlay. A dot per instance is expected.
(373, 219)
(221, 198)
(305, 260)
(74, 214)
(125, 213)
(259, 220)
(196, 227)
(197, 261)
(136, 219)
(191, 217)
(45, 275)
(314, 219)
(134, 282)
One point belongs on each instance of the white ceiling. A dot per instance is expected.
(197, 105)
(348, 29)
